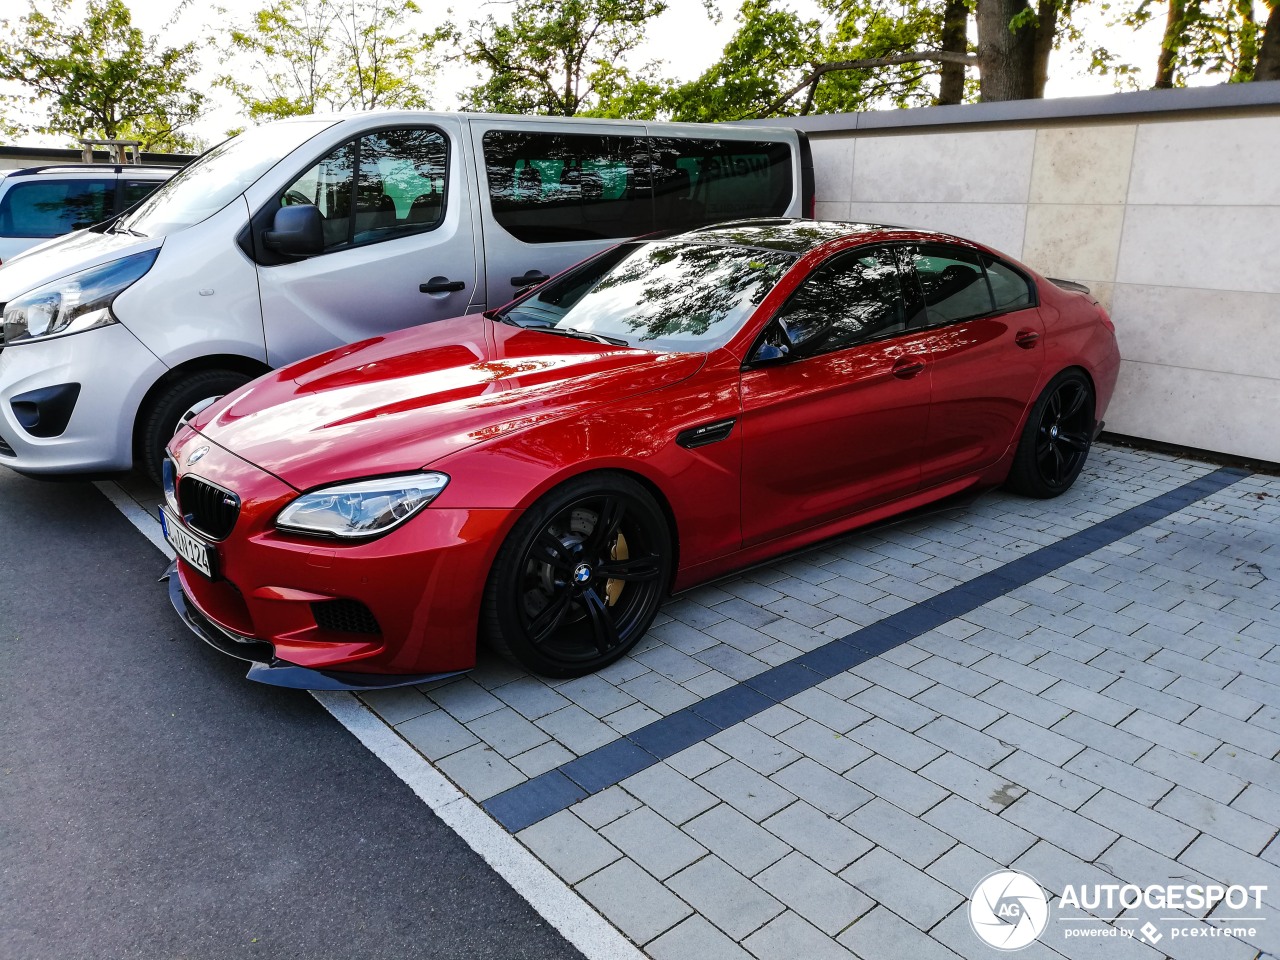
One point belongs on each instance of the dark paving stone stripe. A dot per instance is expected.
(536, 799)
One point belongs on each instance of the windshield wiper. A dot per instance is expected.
(119, 229)
(583, 335)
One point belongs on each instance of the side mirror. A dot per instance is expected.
(769, 353)
(296, 231)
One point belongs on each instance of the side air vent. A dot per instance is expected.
(705, 434)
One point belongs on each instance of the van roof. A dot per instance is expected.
(776, 132)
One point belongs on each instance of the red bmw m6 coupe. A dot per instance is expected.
(541, 476)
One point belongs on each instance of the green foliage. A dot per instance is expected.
(99, 76)
(309, 56)
(563, 58)
(774, 49)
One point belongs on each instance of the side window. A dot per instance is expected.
(556, 187)
(135, 190)
(400, 188)
(852, 298)
(953, 283)
(1011, 290)
(698, 182)
(50, 208)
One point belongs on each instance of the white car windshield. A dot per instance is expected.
(200, 190)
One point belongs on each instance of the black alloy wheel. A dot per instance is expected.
(580, 577)
(1056, 440)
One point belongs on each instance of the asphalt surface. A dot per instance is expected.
(155, 804)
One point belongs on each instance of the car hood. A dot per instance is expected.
(63, 256)
(398, 403)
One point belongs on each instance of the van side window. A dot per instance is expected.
(1012, 291)
(384, 185)
(48, 208)
(699, 182)
(556, 187)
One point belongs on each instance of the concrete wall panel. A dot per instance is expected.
(1223, 331)
(1219, 162)
(1208, 247)
(992, 166)
(1177, 405)
(1082, 164)
(998, 224)
(1073, 241)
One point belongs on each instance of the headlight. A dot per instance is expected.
(362, 508)
(73, 304)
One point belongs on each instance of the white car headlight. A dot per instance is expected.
(362, 508)
(73, 304)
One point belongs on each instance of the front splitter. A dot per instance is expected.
(265, 667)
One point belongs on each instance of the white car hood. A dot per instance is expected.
(67, 255)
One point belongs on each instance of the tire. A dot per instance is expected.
(176, 404)
(1056, 439)
(550, 603)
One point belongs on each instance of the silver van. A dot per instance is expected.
(304, 234)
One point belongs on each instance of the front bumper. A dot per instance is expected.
(278, 599)
(266, 667)
(114, 371)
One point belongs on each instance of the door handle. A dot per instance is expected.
(530, 279)
(1026, 339)
(907, 367)
(441, 285)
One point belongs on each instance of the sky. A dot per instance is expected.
(683, 37)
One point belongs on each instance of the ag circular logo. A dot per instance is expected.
(1008, 910)
(582, 573)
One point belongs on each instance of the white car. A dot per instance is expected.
(37, 203)
(304, 234)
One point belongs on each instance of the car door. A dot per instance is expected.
(554, 193)
(836, 425)
(398, 241)
(987, 343)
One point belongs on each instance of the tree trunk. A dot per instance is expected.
(1269, 50)
(1046, 31)
(1006, 57)
(955, 39)
(1170, 45)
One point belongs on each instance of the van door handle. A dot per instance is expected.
(530, 279)
(441, 285)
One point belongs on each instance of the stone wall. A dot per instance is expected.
(1167, 204)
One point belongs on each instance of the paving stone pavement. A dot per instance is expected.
(1113, 720)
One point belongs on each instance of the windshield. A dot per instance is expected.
(661, 295)
(200, 190)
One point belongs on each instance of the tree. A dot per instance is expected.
(562, 57)
(875, 52)
(100, 76)
(318, 55)
(1268, 66)
(1219, 37)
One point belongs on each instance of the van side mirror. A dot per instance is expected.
(296, 231)
(774, 348)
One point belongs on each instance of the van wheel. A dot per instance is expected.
(175, 406)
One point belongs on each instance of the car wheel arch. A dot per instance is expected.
(579, 471)
(236, 363)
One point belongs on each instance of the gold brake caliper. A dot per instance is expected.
(613, 588)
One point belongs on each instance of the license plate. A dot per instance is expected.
(188, 546)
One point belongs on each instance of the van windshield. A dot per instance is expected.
(200, 190)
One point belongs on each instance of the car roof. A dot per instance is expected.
(789, 235)
(147, 171)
